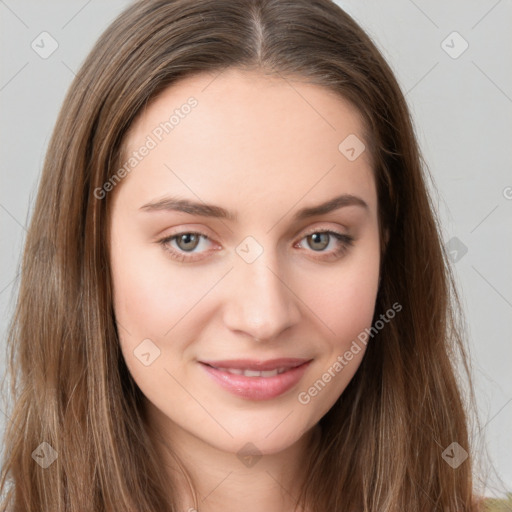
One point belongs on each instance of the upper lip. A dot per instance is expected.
(252, 364)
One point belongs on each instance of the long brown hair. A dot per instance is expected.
(382, 442)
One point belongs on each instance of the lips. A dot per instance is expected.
(257, 380)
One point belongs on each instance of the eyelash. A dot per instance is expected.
(346, 242)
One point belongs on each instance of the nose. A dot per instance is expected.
(260, 303)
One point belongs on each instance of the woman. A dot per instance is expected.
(234, 293)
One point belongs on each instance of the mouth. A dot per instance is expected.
(257, 380)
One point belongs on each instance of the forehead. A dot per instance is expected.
(251, 134)
(236, 101)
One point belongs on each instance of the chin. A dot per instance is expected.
(261, 439)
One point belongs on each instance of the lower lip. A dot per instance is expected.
(257, 388)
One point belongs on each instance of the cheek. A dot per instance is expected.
(343, 296)
(347, 305)
(352, 305)
(150, 294)
(343, 300)
(152, 303)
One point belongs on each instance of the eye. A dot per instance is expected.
(186, 242)
(182, 246)
(319, 240)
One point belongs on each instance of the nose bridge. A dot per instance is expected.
(262, 305)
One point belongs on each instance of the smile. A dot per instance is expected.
(257, 380)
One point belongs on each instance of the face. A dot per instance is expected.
(237, 298)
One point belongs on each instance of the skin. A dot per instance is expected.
(263, 147)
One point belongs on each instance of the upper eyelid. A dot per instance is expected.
(304, 230)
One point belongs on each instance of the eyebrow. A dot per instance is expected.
(210, 210)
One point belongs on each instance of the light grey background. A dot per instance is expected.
(462, 109)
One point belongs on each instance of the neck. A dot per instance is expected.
(212, 480)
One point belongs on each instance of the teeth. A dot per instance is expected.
(236, 371)
(254, 373)
(269, 373)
